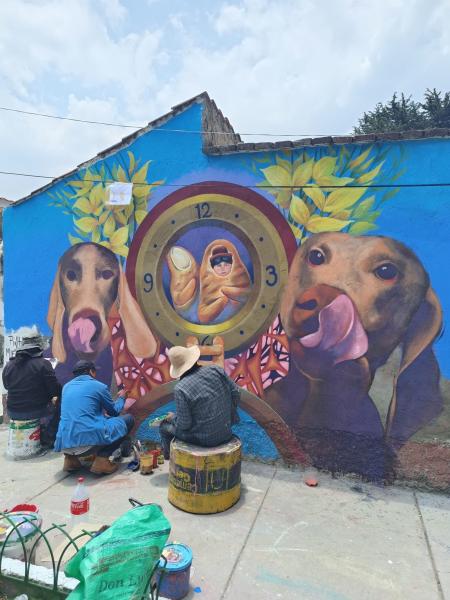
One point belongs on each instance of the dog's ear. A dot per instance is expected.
(416, 398)
(55, 317)
(140, 340)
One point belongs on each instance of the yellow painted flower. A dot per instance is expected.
(117, 242)
(111, 226)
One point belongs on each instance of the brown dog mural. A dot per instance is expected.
(349, 303)
(90, 288)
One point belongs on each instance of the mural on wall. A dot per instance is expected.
(310, 306)
(89, 290)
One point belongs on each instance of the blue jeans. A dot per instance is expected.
(106, 451)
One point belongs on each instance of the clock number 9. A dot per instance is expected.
(272, 275)
(148, 282)
(203, 210)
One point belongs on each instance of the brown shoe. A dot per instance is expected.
(103, 466)
(71, 463)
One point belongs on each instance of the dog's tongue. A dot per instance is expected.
(340, 332)
(81, 332)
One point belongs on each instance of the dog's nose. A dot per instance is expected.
(315, 298)
(308, 305)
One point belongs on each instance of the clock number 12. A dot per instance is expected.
(203, 210)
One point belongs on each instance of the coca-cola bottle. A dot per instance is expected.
(79, 504)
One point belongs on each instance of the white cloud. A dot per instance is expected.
(277, 67)
(114, 11)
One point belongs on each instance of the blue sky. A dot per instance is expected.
(290, 66)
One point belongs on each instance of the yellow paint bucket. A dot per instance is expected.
(205, 480)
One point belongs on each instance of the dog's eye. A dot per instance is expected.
(107, 274)
(316, 257)
(387, 272)
(71, 275)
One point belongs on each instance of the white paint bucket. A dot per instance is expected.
(24, 439)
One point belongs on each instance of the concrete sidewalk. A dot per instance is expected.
(340, 541)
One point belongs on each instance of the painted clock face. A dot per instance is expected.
(211, 260)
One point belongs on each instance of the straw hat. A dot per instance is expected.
(182, 359)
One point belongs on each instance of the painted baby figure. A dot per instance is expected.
(224, 280)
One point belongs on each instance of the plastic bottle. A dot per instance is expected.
(79, 504)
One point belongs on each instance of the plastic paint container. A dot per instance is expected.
(24, 439)
(27, 524)
(175, 583)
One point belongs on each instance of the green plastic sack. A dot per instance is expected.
(117, 564)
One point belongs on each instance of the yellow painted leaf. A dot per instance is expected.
(128, 210)
(103, 216)
(284, 163)
(316, 195)
(91, 176)
(342, 215)
(299, 211)
(141, 191)
(97, 196)
(84, 205)
(86, 224)
(370, 175)
(334, 181)
(284, 198)
(120, 217)
(121, 175)
(74, 240)
(95, 236)
(141, 175)
(106, 244)
(318, 224)
(366, 165)
(324, 167)
(296, 231)
(119, 237)
(140, 215)
(84, 191)
(77, 183)
(109, 226)
(277, 176)
(132, 162)
(343, 198)
(303, 173)
(121, 250)
(361, 227)
(363, 207)
(360, 159)
(141, 203)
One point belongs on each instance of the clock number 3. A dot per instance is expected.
(272, 276)
(203, 210)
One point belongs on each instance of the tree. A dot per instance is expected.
(404, 113)
(436, 108)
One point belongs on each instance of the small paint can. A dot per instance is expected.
(146, 463)
(176, 573)
(155, 454)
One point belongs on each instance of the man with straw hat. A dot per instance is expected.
(206, 402)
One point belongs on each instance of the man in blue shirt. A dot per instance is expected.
(206, 402)
(84, 428)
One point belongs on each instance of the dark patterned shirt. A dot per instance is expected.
(206, 402)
